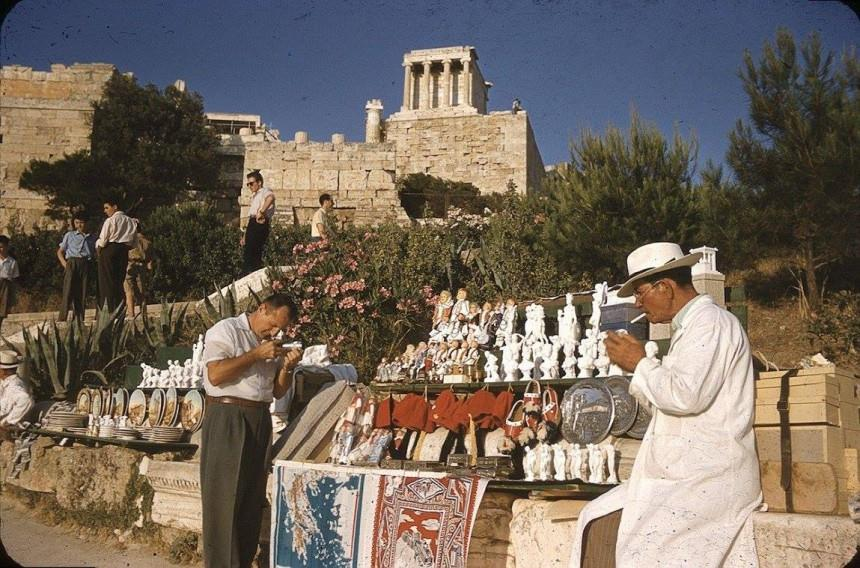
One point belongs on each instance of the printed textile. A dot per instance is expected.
(340, 516)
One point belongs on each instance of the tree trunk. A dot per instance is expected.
(813, 296)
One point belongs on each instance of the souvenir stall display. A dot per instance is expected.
(166, 408)
(564, 406)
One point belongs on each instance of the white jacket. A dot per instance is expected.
(695, 480)
(15, 400)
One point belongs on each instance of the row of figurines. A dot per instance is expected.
(494, 324)
(187, 374)
(523, 358)
(591, 463)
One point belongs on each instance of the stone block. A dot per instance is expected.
(352, 180)
(804, 540)
(535, 537)
(303, 179)
(491, 546)
(324, 180)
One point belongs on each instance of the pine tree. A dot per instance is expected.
(800, 154)
(619, 192)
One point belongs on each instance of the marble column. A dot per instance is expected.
(466, 86)
(427, 86)
(445, 96)
(407, 87)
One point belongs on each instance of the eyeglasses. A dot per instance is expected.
(639, 295)
(251, 183)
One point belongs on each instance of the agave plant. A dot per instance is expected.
(59, 359)
(168, 329)
(225, 306)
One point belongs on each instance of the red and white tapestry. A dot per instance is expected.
(425, 522)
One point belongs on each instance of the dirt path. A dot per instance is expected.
(31, 543)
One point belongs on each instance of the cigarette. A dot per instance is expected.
(637, 318)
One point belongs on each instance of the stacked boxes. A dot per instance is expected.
(824, 418)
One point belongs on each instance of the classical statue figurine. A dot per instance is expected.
(559, 461)
(598, 300)
(527, 363)
(651, 351)
(508, 325)
(602, 362)
(511, 357)
(568, 324)
(491, 368)
(610, 462)
(583, 463)
(546, 462)
(530, 461)
(586, 359)
(549, 359)
(569, 365)
(595, 464)
(574, 461)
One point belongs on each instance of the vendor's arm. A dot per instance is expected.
(284, 380)
(230, 368)
(20, 404)
(689, 384)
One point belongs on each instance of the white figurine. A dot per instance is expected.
(594, 464)
(651, 350)
(602, 362)
(610, 462)
(527, 364)
(529, 463)
(598, 300)
(583, 464)
(549, 359)
(574, 461)
(546, 462)
(491, 368)
(511, 357)
(559, 461)
(569, 365)
(585, 361)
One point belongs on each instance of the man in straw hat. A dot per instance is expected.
(15, 398)
(695, 480)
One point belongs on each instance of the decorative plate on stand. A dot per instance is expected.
(156, 407)
(171, 408)
(625, 403)
(107, 402)
(587, 411)
(96, 398)
(137, 408)
(192, 408)
(84, 401)
(120, 402)
(640, 425)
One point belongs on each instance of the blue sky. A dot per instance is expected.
(312, 65)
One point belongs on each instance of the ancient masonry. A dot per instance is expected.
(43, 115)
(441, 129)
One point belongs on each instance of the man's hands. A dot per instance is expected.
(624, 350)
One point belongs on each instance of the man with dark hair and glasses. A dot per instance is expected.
(260, 213)
(695, 480)
(245, 366)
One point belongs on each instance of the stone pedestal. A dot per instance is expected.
(714, 284)
(176, 502)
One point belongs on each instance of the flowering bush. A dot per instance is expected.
(347, 302)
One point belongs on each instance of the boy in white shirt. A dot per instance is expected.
(8, 275)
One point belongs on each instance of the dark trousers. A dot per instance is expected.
(255, 239)
(234, 466)
(113, 261)
(74, 287)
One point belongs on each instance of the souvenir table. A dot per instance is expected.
(140, 445)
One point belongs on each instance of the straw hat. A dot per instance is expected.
(652, 259)
(9, 360)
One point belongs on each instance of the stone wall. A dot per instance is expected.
(359, 176)
(43, 115)
(487, 151)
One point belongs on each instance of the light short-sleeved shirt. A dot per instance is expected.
(9, 268)
(118, 228)
(78, 245)
(257, 201)
(229, 338)
(320, 218)
(15, 400)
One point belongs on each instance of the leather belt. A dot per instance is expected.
(237, 401)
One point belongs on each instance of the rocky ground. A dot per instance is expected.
(30, 542)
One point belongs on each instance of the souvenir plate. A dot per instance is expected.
(640, 425)
(120, 403)
(191, 413)
(587, 410)
(96, 397)
(84, 402)
(625, 405)
(156, 407)
(107, 402)
(171, 407)
(137, 408)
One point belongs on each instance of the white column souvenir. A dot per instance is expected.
(610, 462)
(529, 463)
(559, 461)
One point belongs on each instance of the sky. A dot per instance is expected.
(312, 65)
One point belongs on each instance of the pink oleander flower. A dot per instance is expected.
(375, 314)
(359, 307)
(277, 285)
(305, 319)
(347, 303)
(337, 340)
(307, 303)
(384, 292)
(298, 249)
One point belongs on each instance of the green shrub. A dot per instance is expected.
(193, 249)
(282, 239)
(837, 328)
(36, 254)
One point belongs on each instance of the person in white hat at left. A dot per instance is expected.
(15, 397)
(695, 480)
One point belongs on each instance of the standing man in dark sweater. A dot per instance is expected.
(260, 213)
(76, 254)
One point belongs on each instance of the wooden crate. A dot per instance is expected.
(809, 443)
(822, 395)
